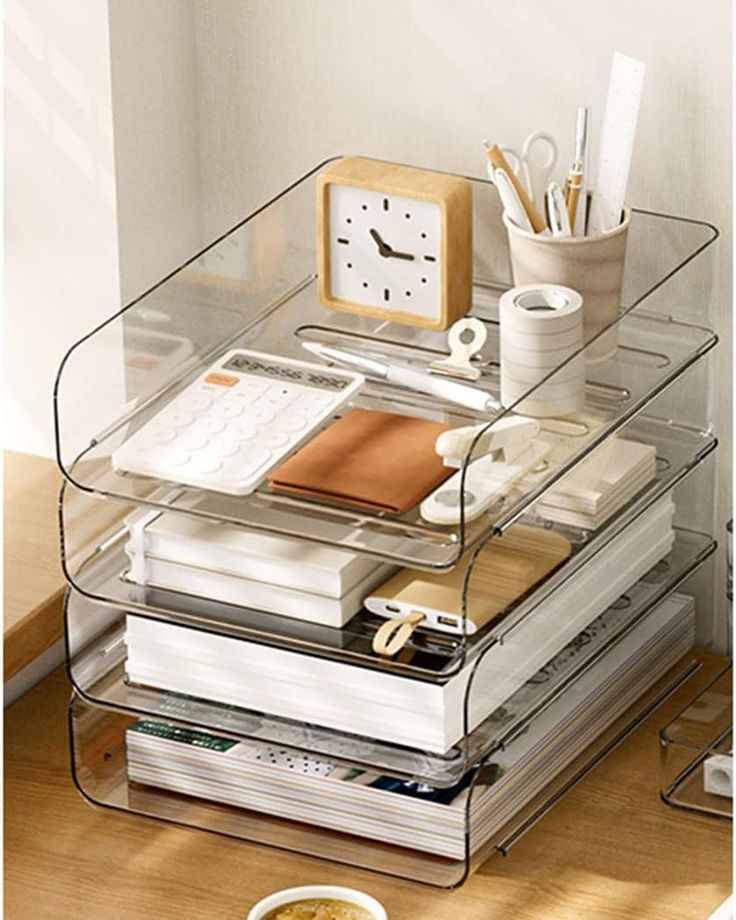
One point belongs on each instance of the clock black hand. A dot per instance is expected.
(383, 249)
(400, 255)
(386, 251)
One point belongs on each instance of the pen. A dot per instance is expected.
(499, 161)
(511, 202)
(459, 393)
(559, 223)
(578, 177)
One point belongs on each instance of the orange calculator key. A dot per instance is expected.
(222, 380)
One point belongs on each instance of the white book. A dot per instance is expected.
(289, 783)
(217, 547)
(375, 703)
(260, 595)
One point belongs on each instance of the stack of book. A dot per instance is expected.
(290, 577)
(596, 489)
(392, 707)
(290, 783)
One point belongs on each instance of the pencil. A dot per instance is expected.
(495, 155)
(574, 184)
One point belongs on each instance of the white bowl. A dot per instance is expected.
(287, 895)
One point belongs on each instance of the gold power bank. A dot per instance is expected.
(506, 569)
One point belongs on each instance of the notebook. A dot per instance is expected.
(596, 489)
(372, 460)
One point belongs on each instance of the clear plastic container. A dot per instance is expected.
(697, 751)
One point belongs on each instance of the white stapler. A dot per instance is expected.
(506, 452)
(510, 435)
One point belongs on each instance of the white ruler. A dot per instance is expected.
(617, 143)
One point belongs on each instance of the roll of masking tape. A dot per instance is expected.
(541, 309)
(542, 329)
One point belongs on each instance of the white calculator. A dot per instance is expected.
(236, 421)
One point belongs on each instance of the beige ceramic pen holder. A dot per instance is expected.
(591, 265)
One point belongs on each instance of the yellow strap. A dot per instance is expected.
(393, 635)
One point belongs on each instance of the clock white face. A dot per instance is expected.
(385, 251)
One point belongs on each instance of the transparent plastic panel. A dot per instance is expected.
(608, 741)
(696, 750)
(157, 767)
(97, 654)
(256, 289)
(104, 772)
(98, 562)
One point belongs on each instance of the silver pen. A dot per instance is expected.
(459, 393)
(580, 168)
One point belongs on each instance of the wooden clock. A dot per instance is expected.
(395, 242)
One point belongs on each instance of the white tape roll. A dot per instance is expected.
(541, 329)
(541, 309)
(542, 343)
(567, 389)
(528, 359)
(553, 408)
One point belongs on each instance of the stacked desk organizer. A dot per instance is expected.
(256, 288)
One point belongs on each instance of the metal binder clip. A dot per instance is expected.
(465, 338)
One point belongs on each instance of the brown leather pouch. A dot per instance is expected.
(372, 460)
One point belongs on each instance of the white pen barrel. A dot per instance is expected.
(458, 393)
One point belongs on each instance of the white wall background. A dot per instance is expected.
(218, 104)
(61, 253)
(155, 91)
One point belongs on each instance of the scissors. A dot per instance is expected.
(535, 165)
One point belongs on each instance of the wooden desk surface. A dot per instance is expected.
(610, 850)
(34, 584)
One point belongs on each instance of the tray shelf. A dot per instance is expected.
(653, 353)
(276, 308)
(99, 770)
(96, 564)
(97, 654)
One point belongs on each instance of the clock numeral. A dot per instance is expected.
(385, 204)
(341, 239)
(430, 259)
(386, 294)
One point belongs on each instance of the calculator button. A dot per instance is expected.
(193, 440)
(252, 388)
(312, 403)
(289, 421)
(163, 435)
(211, 425)
(224, 447)
(244, 399)
(267, 437)
(245, 464)
(178, 418)
(205, 464)
(213, 393)
(261, 415)
(243, 431)
(231, 408)
(278, 398)
(172, 456)
(197, 402)
(222, 380)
